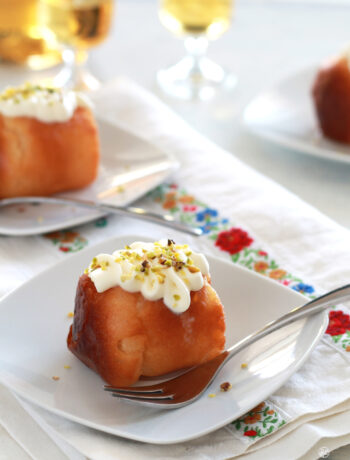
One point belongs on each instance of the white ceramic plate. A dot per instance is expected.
(129, 168)
(34, 326)
(285, 115)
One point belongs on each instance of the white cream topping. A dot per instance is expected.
(45, 104)
(160, 270)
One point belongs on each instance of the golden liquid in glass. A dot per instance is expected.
(196, 17)
(78, 23)
(22, 38)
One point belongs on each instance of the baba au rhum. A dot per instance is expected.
(331, 97)
(48, 141)
(146, 310)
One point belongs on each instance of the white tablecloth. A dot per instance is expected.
(278, 235)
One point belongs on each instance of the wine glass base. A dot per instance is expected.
(192, 79)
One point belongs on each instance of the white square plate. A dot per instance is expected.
(129, 168)
(285, 115)
(34, 326)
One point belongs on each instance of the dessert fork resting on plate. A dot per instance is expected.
(129, 211)
(187, 387)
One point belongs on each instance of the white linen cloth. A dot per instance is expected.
(314, 403)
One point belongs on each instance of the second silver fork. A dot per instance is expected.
(187, 387)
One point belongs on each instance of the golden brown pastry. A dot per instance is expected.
(331, 96)
(48, 142)
(122, 335)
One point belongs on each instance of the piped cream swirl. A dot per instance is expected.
(160, 270)
(45, 104)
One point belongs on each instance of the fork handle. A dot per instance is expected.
(310, 308)
(129, 211)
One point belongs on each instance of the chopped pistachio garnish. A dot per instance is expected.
(25, 91)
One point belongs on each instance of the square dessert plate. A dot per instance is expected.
(129, 168)
(34, 324)
(285, 115)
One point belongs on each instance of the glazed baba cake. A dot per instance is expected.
(48, 141)
(331, 97)
(146, 310)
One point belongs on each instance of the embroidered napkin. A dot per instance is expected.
(249, 220)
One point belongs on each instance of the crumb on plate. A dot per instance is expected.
(225, 386)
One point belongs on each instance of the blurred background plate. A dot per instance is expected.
(285, 115)
(129, 168)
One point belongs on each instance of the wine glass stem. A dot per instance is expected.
(196, 47)
(74, 74)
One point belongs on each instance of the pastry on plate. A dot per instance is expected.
(331, 97)
(146, 310)
(48, 141)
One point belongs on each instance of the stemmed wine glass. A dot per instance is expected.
(77, 26)
(197, 22)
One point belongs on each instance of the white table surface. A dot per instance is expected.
(268, 40)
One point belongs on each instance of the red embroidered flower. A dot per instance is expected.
(262, 253)
(64, 248)
(339, 323)
(250, 433)
(233, 240)
(188, 208)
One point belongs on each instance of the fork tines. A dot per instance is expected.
(139, 393)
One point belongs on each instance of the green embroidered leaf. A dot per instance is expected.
(270, 430)
(238, 425)
(248, 262)
(273, 264)
(235, 257)
(281, 424)
(274, 420)
(336, 338)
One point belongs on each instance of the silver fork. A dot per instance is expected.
(187, 387)
(129, 211)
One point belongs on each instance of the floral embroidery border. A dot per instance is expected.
(238, 244)
(258, 422)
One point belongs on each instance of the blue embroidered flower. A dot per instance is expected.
(304, 288)
(206, 214)
(207, 227)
